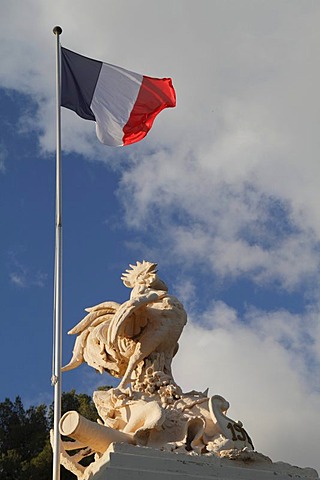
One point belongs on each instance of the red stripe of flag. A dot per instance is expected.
(154, 95)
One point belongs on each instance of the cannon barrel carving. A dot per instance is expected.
(91, 434)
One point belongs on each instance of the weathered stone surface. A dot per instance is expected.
(126, 462)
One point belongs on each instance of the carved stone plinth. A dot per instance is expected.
(128, 462)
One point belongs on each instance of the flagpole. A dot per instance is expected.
(57, 310)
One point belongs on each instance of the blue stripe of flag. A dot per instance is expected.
(79, 76)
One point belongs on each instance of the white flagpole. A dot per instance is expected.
(57, 313)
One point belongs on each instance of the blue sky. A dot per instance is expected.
(223, 194)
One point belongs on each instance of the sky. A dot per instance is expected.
(223, 194)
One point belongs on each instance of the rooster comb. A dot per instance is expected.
(143, 272)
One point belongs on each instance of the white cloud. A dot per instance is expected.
(267, 370)
(23, 276)
(18, 279)
(3, 157)
(233, 229)
(28, 279)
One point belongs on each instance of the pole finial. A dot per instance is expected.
(57, 30)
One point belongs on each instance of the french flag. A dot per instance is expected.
(123, 104)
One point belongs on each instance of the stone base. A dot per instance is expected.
(128, 462)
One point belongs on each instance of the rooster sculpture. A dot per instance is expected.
(123, 339)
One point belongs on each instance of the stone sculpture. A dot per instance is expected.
(136, 341)
(117, 338)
